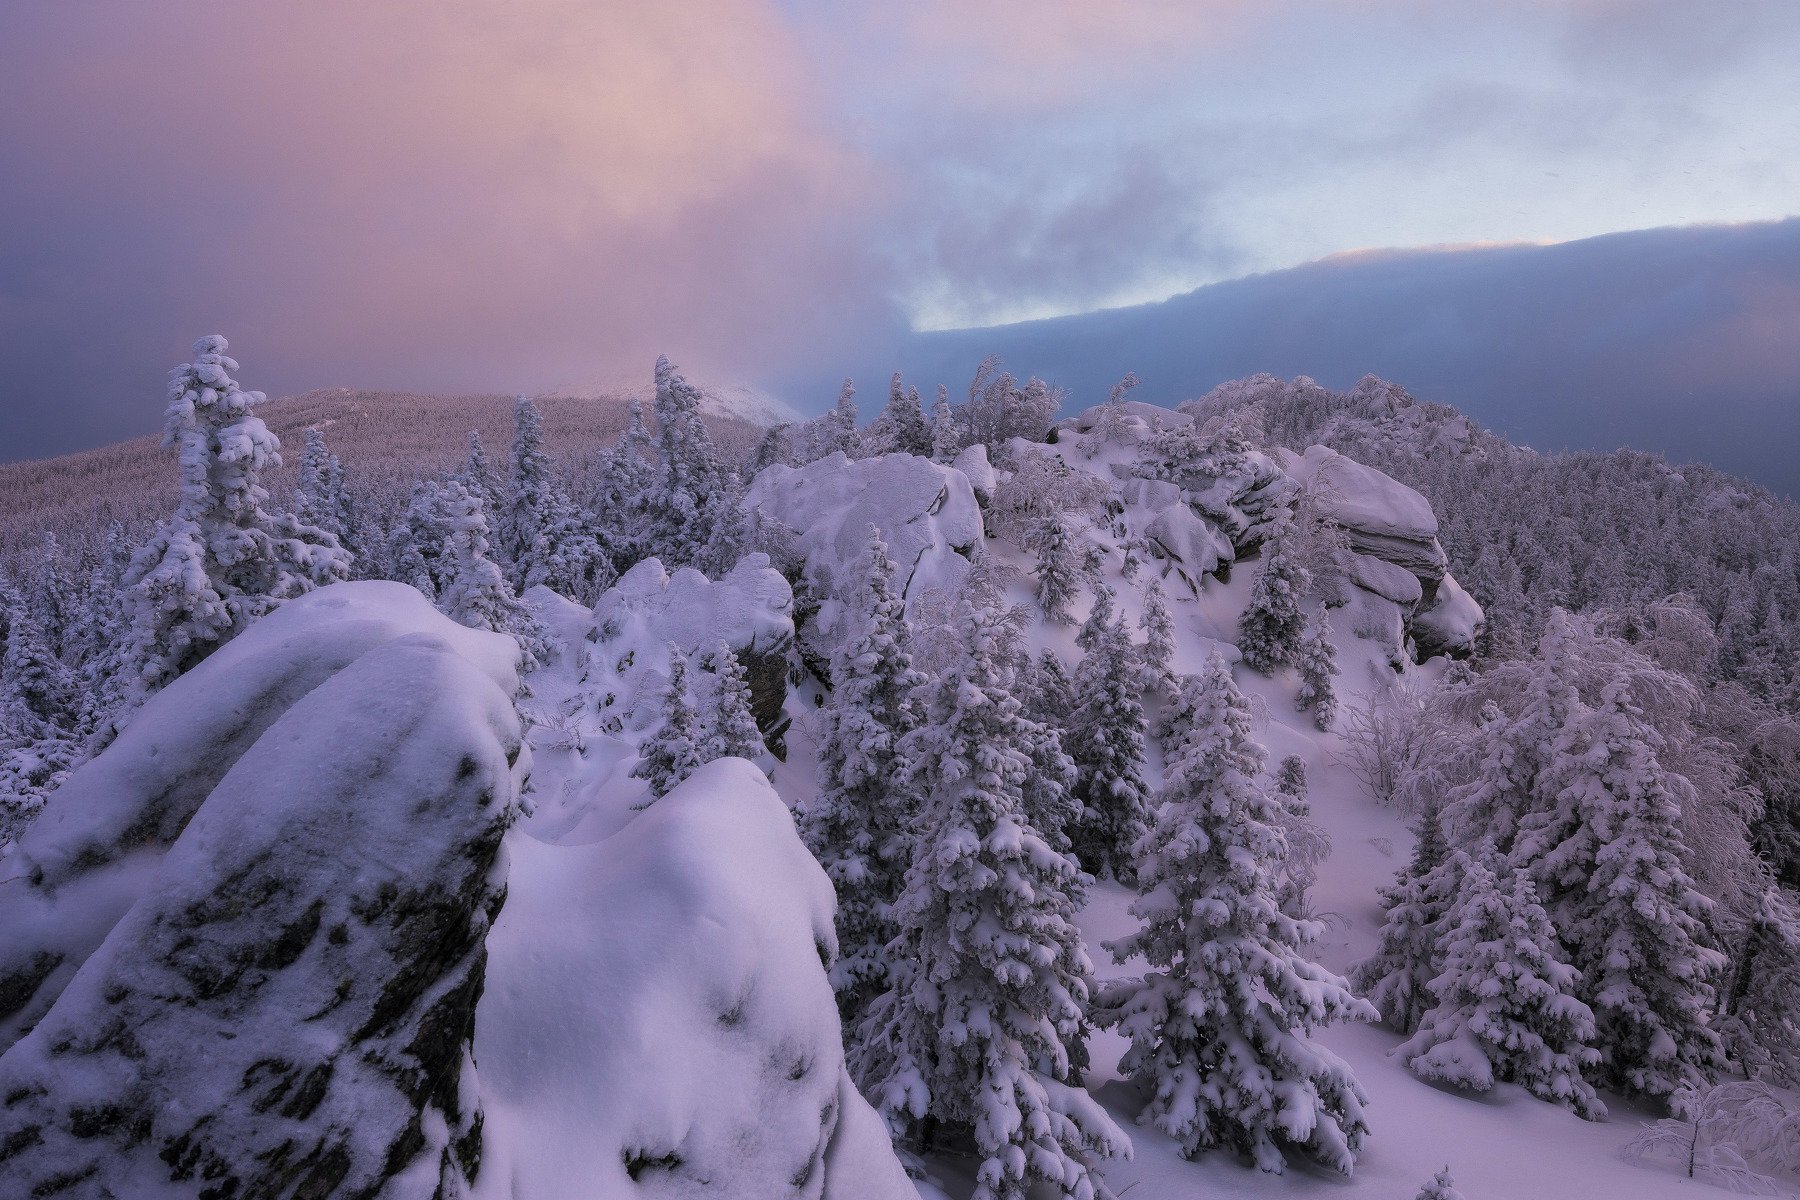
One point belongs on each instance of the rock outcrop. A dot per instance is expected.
(285, 1006)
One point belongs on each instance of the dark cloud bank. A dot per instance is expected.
(1684, 341)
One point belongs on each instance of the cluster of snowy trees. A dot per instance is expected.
(1622, 532)
(962, 815)
(1585, 906)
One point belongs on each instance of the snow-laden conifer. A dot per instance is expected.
(1605, 850)
(729, 728)
(946, 435)
(1397, 977)
(1504, 1004)
(222, 560)
(1440, 1187)
(1106, 742)
(672, 751)
(322, 501)
(1316, 661)
(859, 825)
(471, 588)
(479, 476)
(1220, 1027)
(1057, 542)
(1272, 624)
(682, 504)
(988, 977)
(901, 427)
(1158, 651)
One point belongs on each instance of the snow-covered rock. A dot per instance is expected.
(98, 844)
(635, 621)
(286, 1006)
(1136, 413)
(973, 463)
(1192, 546)
(1381, 516)
(1450, 624)
(1385, 579)
(658, 1021)
(927, 514)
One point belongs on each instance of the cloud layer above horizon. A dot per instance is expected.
(467, 196)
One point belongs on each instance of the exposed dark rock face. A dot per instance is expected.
(287, 1005)
(92, 851)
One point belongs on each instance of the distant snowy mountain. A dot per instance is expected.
(718, 398)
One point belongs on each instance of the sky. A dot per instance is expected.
(517, 196)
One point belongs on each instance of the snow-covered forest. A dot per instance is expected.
(942, 796)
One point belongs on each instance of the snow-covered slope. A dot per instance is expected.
(718, 398)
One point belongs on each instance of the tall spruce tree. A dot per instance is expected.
(1059, 571)
(1504, 1006)
(322, 501)
(222, 560)
(988, 979)
(729, 728)
(1397, 977)
(1272, 624)
(1606, 852)
(1220, 1027)
(946, 435)
(1159, 640)
(1316, 661)
(859, 825)
(672, 751)
(1106, 742)
(471, 588)
(682, 506)
(901, 427)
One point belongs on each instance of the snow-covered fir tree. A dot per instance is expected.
(1605, 850)
(621, 501)
(901, 427)
(729, 727)
(988, 978)
(837, 428)
(1316, 661)
(683, 505)
(946, 436)
(1220, 1027)
(1158, 651)
(672, 752)
(728, 538)
(479, 476)
(529, 488)
(1272, 625)
(1106, 742)
(322, 501)
(472, 590)
(1504, 1002)
(859, 824)
(1397, 977)
(222, 560)
(1060, 572)
(545, 537)
(1290, 781)
(1440, 1187)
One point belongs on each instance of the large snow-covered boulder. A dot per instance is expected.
(98, 844)
(1450, 624)
(658, 1021)
(926, 512)
(1381, 516)
(286, 1006)
(635, 622)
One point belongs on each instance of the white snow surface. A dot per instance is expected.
(661, 992)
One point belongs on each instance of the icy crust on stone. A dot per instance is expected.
(658, 1021)
(926, 512)
(1381, 516)
(287, 1007)
(1451, 622)
(96, 847)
